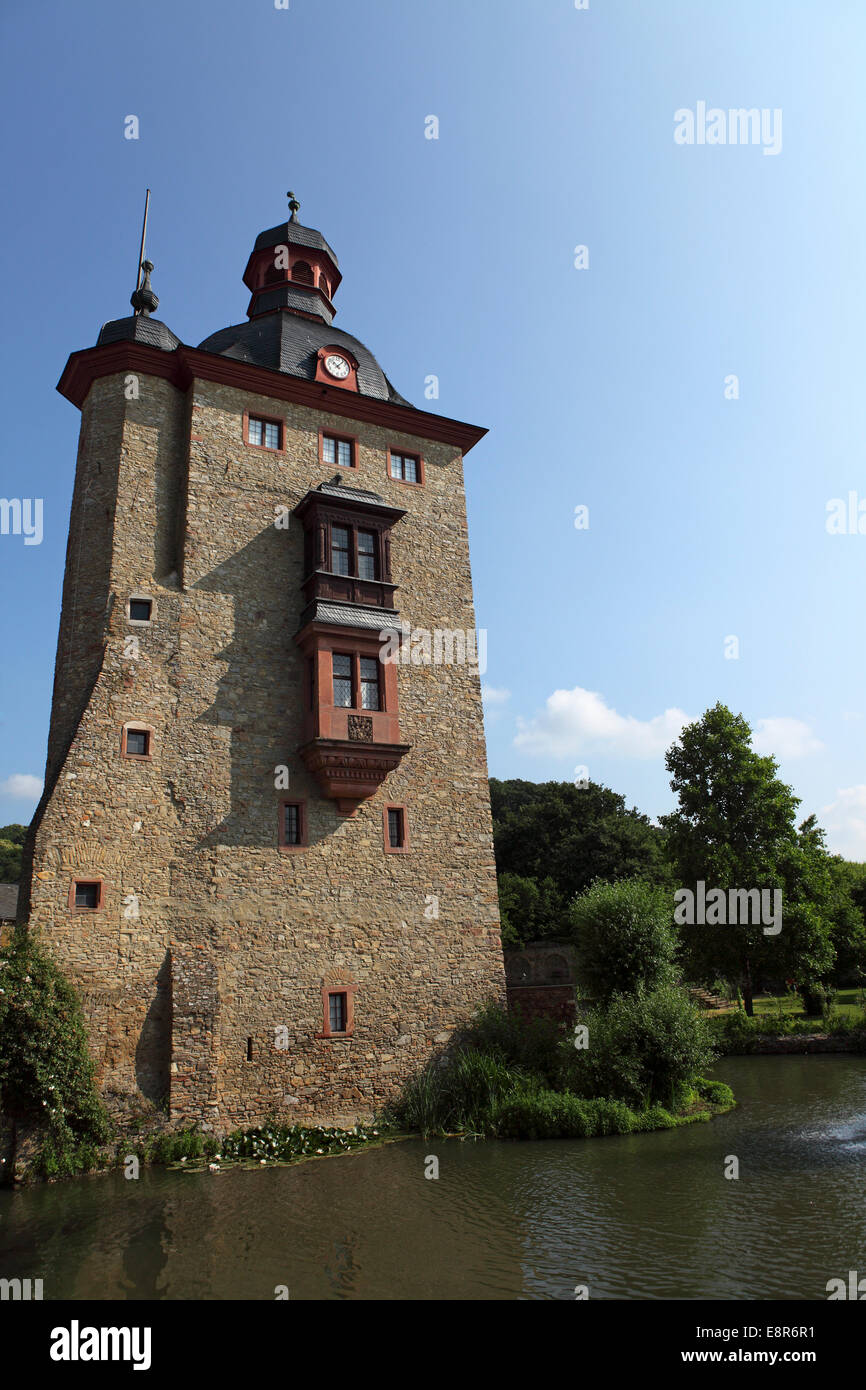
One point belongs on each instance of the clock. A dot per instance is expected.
(337, 366)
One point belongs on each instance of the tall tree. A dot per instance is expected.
(734, 830)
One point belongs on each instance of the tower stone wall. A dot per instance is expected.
(206, 966)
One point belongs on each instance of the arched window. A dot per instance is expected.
(303, 272)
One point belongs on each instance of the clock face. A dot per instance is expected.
(337, 366)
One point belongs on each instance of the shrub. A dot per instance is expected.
(624, 937)
(643, 1049)
(46, 1072)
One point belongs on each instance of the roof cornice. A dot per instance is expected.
(186, 365)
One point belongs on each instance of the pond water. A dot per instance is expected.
(635, 1216)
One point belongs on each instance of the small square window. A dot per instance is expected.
(87, 895)
(338, 451)
(137, 743)
(267, 434)
(140, 610)
(406, 468)
(338, 1012)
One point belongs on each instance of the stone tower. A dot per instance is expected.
(264, 849)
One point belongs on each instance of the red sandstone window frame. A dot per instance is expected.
(133, 727)
(303, 843)
(403, 847)
(406, 454)
(350, 439)
(264, 420)
(74, 908)
(327, 991)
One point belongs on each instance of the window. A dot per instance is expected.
(266, 434)
(338, 1009)
(87, 896)
(340, 551)
(303, 272)
(140, 610)
(354, 553)
(136, 741)
(324, 287)
(367, 555)
(311, 683)
(396, 834)
(405, 467)
(293, 825)
(338, 451)
(369, 683)
(343, 692)
(338, 1013)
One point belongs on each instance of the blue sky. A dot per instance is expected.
(602, 387)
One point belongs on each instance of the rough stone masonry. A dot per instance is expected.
(227, 970)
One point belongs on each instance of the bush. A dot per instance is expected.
(543, 1114)
(643, 1049)
(530, 1045)
(46, 1072)
(624, 936)
(456, 1093)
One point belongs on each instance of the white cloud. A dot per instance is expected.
(845, 822)
(785, 738)
(575, 722)
(491, 696)
(22, 787)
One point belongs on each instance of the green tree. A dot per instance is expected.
(11, 841)
(568, 836)
(735, 829)
(624, 938)
(529, 910)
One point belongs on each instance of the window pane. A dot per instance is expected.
(366, 555)
(396, 466)
(87, 895)
(343, 682)
(136, 742)
(255, 432)
(293, 825)
(140, 610)
(395, 829)
(369, 684)
(272, 436)
(329, 449)
(344, 449)
(339, 550)
(410, 470)
(337, 1012)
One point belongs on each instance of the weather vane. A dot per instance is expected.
(294, 206)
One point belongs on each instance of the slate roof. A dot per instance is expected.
(290, 344)
(351, 615)
(8, 901)
(138, 328)
(294, 234)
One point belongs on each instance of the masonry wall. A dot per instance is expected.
(210, 935)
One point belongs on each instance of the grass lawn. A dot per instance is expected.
(846, 1001)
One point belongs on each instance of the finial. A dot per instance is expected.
(144, 301)
(294, 206)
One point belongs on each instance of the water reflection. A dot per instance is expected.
(638, 1216)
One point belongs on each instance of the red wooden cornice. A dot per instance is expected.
(186, 365)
